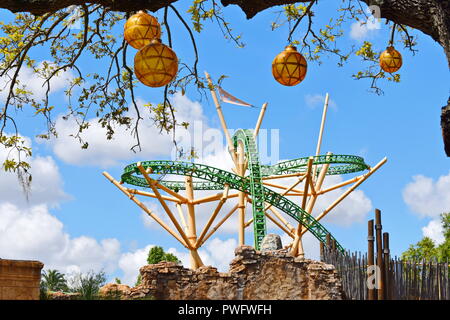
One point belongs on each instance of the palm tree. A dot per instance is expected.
(53, 280)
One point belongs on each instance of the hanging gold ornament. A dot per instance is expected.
(289, 67)
(155, 65)
(391, 60)
(140, 29)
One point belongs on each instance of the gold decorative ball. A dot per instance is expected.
(140, 29)
(391, 60)
(155, 65)
(289, 67)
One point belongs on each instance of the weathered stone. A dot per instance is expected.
(269, 275)
(55, 295)
(114, 290)
(20, 279)
(271, 242)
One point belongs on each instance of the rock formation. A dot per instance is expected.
(253, 275)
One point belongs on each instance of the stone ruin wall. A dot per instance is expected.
(253, 275)
(19, 280)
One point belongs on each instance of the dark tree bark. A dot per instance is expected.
(432, 17)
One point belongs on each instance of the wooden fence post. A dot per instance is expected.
(378, 229)
(371, 294)
(386, 264)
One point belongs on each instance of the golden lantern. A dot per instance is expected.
(391, 60)
(155, 65)
(289, 67)
(140, 29)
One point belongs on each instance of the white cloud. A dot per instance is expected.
(47, 183)
(435, 231)
(35, 234)
(358, 31)
(104, 153)
(34, 82)
(317, 100)
(364, 30)
(353, 209)
(426, 197)
(131, 262)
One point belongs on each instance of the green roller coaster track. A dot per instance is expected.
(215, 179)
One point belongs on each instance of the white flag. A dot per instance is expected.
(228, 98)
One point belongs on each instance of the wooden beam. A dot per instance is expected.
(340, 185)
(288, 189)
(284, 176)
(146, 210)
(151, 195)
(322, 125)
(350, 190)
(191, 224)
(308, 177)
(260, 119)
(278, 224)
(214, 197)
(164, 205)
(221, 118)
(213, 216)
(181, 214)
(296, 191)
(151, 182)
(275, 212)
(233, 210)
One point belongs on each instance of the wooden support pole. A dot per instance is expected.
(214, 197)
(171, 192)
(151, 195)
(287, 190)
(350, 190)
(191, 223)
(320, 180)
(297, 245)
(378, 231)
(340, 185)
(260, 119)
(308, 177)
(289, 229)
(289, 175)
(213, 216)
(164, 205)
(183, 220)
(233, 210)
(322, 126)
(221, 118)
(279, 225)
(371, 293)
(147, 210)
(282, 219)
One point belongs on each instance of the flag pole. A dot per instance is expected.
(260, 119)
(222, 119)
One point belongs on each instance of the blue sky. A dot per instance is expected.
(81, 207)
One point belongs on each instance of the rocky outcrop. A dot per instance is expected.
(271, 242)
(253, 275)
(58, 295)
(114, 291)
